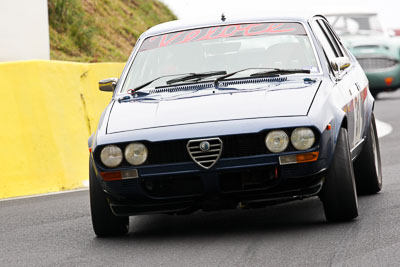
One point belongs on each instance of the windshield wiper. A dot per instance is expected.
(277, 71)
(193, 76)
(151, 81)
(236, 72)
(268, 71)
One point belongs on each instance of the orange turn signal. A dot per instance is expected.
(308, 157)
(111, 176)
(299, 158)
(389, 81)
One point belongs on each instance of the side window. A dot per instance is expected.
(331, 37)
(324, 41)
(341, 47)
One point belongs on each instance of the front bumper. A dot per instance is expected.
(378, 80)
(185, 187)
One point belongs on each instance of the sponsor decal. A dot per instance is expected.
(349, 107)
(225, 31)
(364, 94)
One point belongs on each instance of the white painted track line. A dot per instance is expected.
(383, 128)
(46, 194)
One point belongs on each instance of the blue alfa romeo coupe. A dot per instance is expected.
(234, 113)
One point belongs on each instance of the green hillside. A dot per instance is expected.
(100, 30)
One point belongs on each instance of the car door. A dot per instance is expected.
(361, 91)
(356, 87)
(345, 89)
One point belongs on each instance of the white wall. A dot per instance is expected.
(24, 30)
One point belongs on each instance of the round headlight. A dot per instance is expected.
(136, 153)
(111, 156)
(276, 141)
(302, 138)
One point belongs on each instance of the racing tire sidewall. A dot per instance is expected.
(104, 222)
(368, 166)
(339, 193)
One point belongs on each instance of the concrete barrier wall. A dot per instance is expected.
(48, 110)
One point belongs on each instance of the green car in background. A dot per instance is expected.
(377, 52)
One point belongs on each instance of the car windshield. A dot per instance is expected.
(361, 24)
(210, 52)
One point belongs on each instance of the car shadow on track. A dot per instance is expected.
(290, 217)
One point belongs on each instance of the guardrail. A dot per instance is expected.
(48, 110)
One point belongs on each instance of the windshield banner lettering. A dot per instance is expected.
(222, 32)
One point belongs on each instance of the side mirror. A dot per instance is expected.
(108, 85)
(339, 64)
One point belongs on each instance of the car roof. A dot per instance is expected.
(184, 24)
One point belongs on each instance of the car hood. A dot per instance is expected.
(360, 40)
(209, 105)
(375, 45)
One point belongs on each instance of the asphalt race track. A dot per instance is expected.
(56, 230)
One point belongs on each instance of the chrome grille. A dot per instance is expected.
(376, 63)
(205, 152)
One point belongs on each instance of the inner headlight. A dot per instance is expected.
(302, 138)
(276, 141)
(111, 156)
(136, 153)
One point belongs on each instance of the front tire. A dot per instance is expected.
(367, 167)
(104, 222)
(339, 195)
